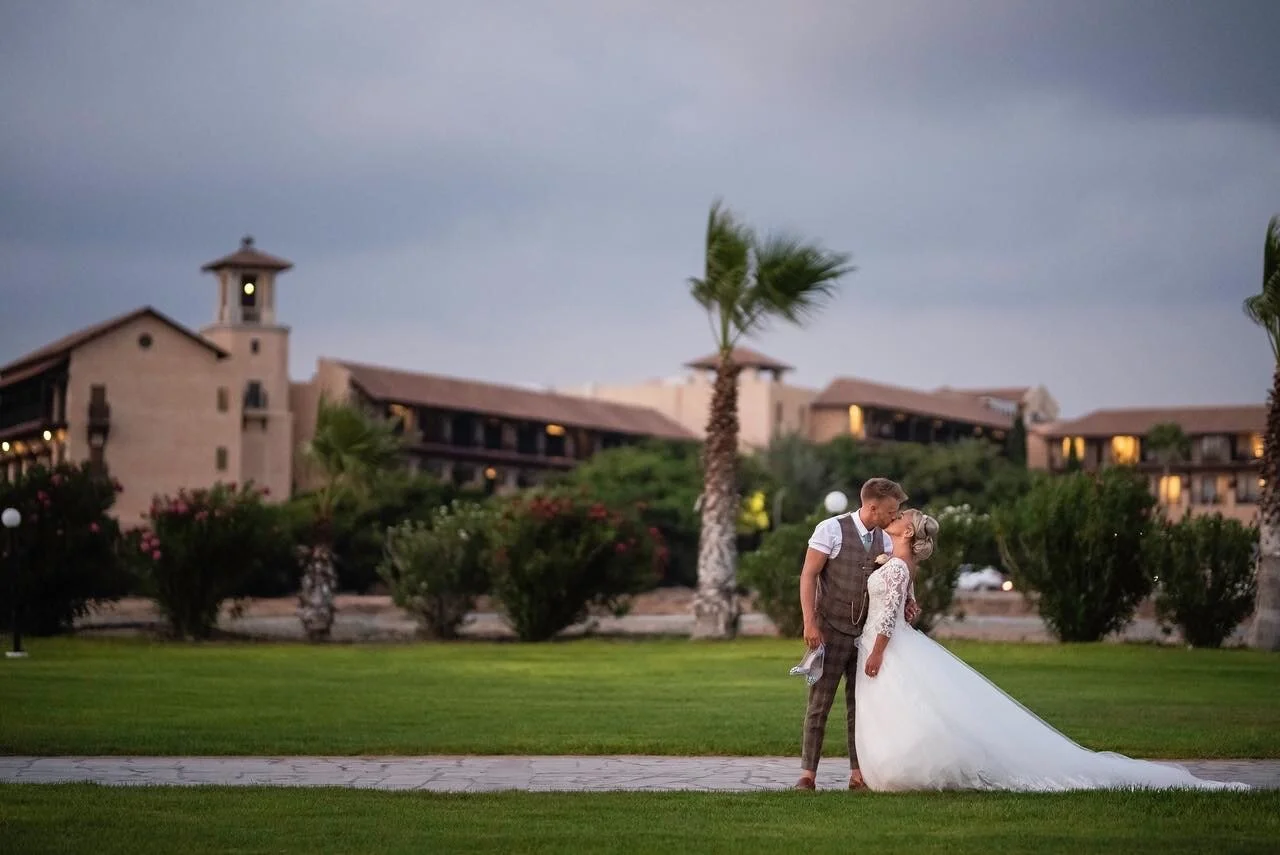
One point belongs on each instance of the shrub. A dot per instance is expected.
(66, 546)
(361, 519)
(557, 555)
(1207, 584)
(200, 548)
(1077, 540)
(964, 537)
(436, 568)
(773, 572)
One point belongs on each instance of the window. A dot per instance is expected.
(1171, 489)
(1214, 449)
(1206, 490)
(224, 399)
(254, 345)
(220, 459)
(556, 446)
(145, 341)
(249, 298)
(777, 417)
(402, 417)
(857, 422)
(1248, 489)
(1124, 450)
(492, 434)
(255, 397)
(1256, 445)
(463, 432)
(1075, 443)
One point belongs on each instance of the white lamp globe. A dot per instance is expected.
(10, 518)
(836, 502)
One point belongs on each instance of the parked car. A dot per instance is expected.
(986, 579)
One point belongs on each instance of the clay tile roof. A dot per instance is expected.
(433, 390)
(61, 349)
(1139, 421)
(744, 357)
(1003, 393)
(847, 391)
(249, 258)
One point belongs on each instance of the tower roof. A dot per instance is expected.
(248, 258)
(743, 357)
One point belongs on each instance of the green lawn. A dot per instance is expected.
(85, 818)
(594, 696)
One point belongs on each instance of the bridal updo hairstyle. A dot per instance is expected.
(924, 535)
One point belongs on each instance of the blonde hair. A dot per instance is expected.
(924, 533)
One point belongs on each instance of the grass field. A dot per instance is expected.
(36, 819)
(597, 696)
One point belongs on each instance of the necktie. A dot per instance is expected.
(866, 540)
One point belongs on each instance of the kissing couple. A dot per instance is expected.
(919, 718)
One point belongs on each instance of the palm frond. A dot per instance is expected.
(1263, 308)
(727, 264)
(794, 278)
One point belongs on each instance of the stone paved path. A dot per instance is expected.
(485, 774)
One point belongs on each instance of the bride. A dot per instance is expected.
(927, 721)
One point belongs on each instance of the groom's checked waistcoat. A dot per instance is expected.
(842, 584)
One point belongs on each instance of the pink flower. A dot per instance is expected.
(94, 527)
(266, 491)
(56, 480)
(155, 556)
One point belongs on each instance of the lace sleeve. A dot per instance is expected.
(896, 579)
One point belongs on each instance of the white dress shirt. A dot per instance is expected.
(827, 536)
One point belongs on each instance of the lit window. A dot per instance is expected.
(1171, 489)
(1076, 442)
(1256, 442)
(555, 430)
(1124, 450)
(857, 425)
(249, 288)
(491, 473)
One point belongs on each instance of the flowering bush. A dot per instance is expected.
(200, 548)
(66, 545)
(555, 556)
(436, 568)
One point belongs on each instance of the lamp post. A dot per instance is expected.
(10, 518)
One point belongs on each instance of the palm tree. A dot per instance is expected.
(350, 450)
(748, 281)
(1264, 310)
(1169, 444)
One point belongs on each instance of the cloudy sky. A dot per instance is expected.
(1068, 193)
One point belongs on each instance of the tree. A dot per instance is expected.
(798, 477)
(1263, 309)
(1169, 445)
(748, 281)
(1016, 443)
(350, 450)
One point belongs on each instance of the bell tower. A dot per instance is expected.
(257, 371)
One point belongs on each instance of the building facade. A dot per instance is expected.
(768, 406)
(481, 434)
(163, 408)
(876, 411)
(1220, 475)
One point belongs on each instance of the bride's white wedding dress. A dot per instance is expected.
(930, 722)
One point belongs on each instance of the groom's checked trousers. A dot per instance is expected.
(841, 660)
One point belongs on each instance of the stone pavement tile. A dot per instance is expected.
(489, 774)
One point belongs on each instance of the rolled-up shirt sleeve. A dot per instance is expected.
(826, 536)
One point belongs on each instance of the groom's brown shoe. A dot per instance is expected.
(858, 784)
(805, 783)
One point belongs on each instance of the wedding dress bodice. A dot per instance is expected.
(887, 591)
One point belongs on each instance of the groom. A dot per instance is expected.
(833, 598)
